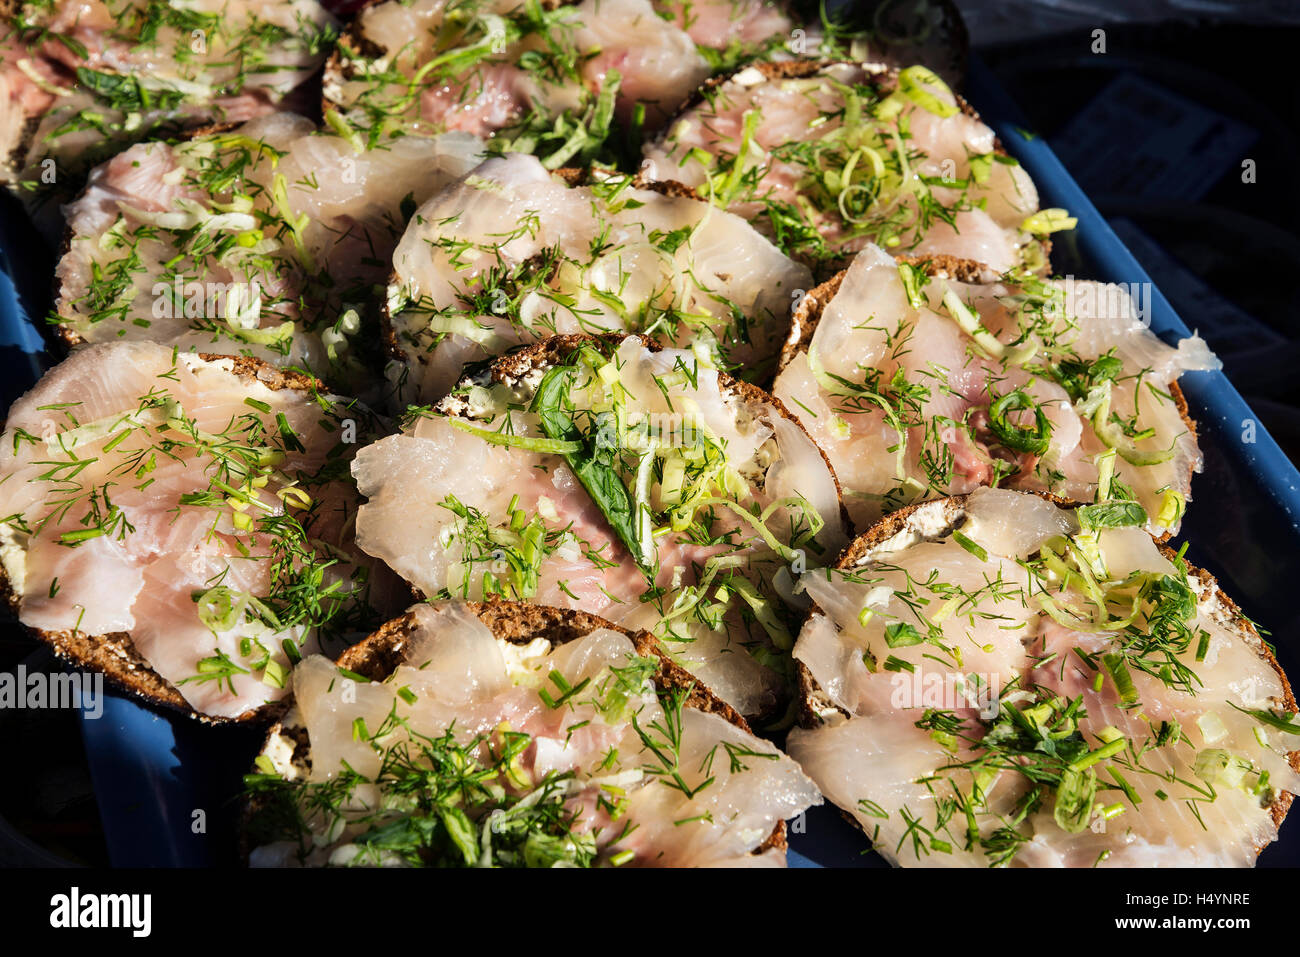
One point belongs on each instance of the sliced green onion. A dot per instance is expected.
(970, 324)
(532, 443)
(1172, 507)
(914, 281)
(759, 522)
(1075, 796)
(1032, 441)
(973, 547)
(912, 82)
(764, 612)
(1117, 668)
(275, 674)
(1105, 474)
(1287, 724)
(1108, 750)
(296, 224)
(900, 634)
(466, 327)
(1110, 433)
(1218, 767)
(1213, 730)
(114, 425)
(218, 609)
(981, 167)
(335, 121)
(1111, 515)
(1047, 221)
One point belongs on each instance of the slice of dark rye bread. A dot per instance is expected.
(815, 708)
(519, 623)
(114, 655)
(60, 336)
(882, 75)
(358, 46)
(808, 313)
(572, 177)
(514, 367)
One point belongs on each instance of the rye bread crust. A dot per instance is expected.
(807, 315)
(519, 623)
(577, 176)
(114, 655)
(12, 164)
(814, 706)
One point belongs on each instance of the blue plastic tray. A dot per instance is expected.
(167, 787)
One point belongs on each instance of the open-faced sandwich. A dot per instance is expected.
(918, 384)
(183, 523)
(548, 78)
(598, 474)
(80, 79)
(825, 158)
(514, 253)
(993, 679)
(267, 240)
(510, 735)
